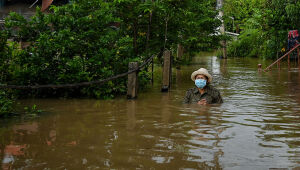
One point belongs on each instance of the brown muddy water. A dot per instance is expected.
(258, 126)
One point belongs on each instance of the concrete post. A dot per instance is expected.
(132, 84)
(167, 71)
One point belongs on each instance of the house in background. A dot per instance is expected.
(25, 7)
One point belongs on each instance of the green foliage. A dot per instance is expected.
(144, 78)
(249, 44)
(6, 103)
(157, 24)
(238, 12)
(8, 106)
(73, 44)
(89, 40)
(263, 25)
(33, 111)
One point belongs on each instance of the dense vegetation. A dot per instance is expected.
(88, 40)
(263, 25)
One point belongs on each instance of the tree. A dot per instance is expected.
(267, 22)
(89, 40)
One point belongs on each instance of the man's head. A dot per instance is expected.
(201, 76)
(202, 73)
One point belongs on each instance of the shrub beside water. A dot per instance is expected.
(6, 103)
(90, 40)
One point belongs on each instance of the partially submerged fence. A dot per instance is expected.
(132, 85)
(286, 55)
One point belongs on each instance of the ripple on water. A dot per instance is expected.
(257, 126)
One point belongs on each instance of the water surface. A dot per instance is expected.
(258, 126)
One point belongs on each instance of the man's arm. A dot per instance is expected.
(219, 98)
(187, 97)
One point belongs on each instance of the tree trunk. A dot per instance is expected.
(135, 32)
(148, 32)
(166, 31)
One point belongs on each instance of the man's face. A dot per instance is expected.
(201, 76)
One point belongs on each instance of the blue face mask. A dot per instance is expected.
(200, 83)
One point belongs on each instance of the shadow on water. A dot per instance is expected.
(257, 127)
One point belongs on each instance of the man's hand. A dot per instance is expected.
(202, 102)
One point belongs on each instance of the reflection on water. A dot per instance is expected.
(258, 126)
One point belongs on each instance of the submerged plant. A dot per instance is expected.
(6, 103)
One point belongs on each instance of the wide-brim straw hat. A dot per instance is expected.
(202, 71)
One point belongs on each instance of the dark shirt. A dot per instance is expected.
(211, 95)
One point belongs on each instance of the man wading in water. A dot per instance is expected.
(203, 93)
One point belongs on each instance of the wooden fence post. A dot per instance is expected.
(298, 57)
(152, 71)
(179, 51)
(179, 56)
(132, 84)
(24, 45)
(289, 65)
(167, 75)
(259, 67)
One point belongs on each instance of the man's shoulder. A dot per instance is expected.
(213, 90)
(192, 90)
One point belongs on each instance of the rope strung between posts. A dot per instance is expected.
(3, 86)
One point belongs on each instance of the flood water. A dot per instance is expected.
(257, 126)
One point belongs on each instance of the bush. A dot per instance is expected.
(73, 44)
(247, 45)
(89, 40)
(6, 103)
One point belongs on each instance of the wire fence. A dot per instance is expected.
(73, 85)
